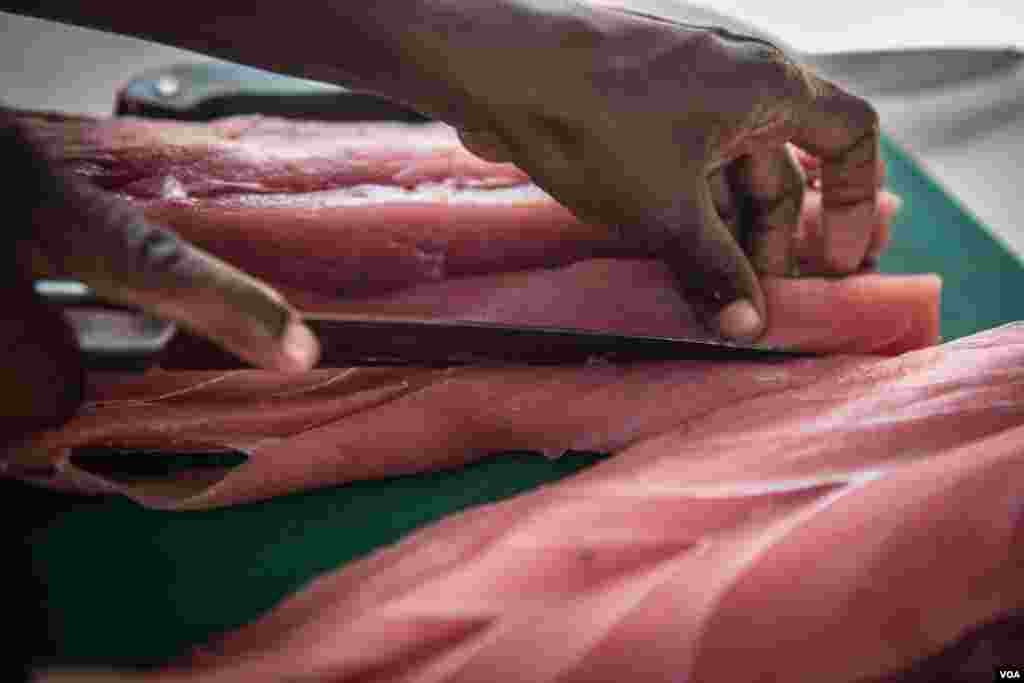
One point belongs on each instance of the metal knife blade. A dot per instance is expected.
(119, 338)
(364, 340)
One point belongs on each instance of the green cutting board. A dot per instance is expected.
(128, 585)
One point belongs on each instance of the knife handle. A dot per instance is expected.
(117, 338)
(110, 337)
(205, 91)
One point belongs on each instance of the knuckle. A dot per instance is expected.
(156, 249)
(858, 112)
(767, 66)
(133, 246)
(862, 112)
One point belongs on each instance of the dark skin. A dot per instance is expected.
(657, 127)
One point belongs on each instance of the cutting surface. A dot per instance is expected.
(124, 584)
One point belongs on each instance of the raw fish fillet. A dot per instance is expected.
(323, 190)
(834, 519)
(337, 425)
(339, 208)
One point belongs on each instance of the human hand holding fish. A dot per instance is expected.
(682, 143)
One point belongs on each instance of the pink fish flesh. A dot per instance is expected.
(854, 517)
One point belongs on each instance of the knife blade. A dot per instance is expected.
(366, 340)
(118, 338)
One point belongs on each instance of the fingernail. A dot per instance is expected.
(848, 231)
(300, 347)
(739, 321)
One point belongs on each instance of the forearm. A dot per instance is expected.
(428, 53)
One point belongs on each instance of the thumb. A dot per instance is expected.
(713, 272)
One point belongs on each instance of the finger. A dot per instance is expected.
(807, 246)
(842, 130)
(711, 268)
(683, 229)
(811, 166)
(889, 206)
(728, 204)
(111, 246)
(687, 233)
(774, 183)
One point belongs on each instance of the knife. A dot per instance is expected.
(118, 338)
(210, 90)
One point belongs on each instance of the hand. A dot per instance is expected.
(664, 129)
(63, 229)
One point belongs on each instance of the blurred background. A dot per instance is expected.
(969, 138)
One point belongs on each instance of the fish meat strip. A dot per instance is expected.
(340, 208)
(836, 517)
(337, 425)
(326, 191)
(858, 515)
